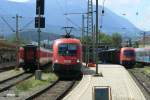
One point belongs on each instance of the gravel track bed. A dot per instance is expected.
(57, 91)
(13, 81)
(23, 95)
(7, 66)
(9, 74)
(142, 81)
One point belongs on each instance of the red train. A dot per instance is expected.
(125, 56)
(67, 56)
(143, 55)
(28, 57)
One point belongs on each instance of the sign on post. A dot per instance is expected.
(42, 22)
(101, 93)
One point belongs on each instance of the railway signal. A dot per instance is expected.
(39, 23)
(40, 4)
(42, 22)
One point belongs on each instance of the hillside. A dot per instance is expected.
(29, 36)
(55, 19)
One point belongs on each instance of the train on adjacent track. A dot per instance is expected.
(143, 55)
(30, 55)
(124, 56)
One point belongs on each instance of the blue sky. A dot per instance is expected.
(126, 9)
(129, 8)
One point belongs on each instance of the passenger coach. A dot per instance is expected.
(28, 57)
(143, 55)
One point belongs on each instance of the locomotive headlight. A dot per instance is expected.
(56, 61)
(78, 60)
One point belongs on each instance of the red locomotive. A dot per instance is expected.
(127, 56)
(28, 57)
(67, 56)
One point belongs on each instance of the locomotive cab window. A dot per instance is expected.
(129, 53)
(67, 49)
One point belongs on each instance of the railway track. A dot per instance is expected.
(54, 92)
(7, 67)
(143, 80)
(10, 82)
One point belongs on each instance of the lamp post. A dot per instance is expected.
(97, 37)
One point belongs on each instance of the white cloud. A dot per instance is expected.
(119, 3)
(20, 1)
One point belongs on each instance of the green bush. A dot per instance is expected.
(138, 65)
(32, 83)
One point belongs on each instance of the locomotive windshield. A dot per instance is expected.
(129, 53)
(67, 49)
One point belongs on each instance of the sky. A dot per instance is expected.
(20, 1)
(136, 11)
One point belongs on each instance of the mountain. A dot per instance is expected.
(55, 19)
(32, 35)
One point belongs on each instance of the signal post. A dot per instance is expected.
(39, 23)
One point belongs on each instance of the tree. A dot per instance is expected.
(116, 39)
(104, 38)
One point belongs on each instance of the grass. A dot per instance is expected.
(138, 65)
(146, 70)
(32, 83)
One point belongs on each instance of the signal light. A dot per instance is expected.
(40, 4)
(42, 22)
(103, 11)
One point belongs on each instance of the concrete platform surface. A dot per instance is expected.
(116, 77)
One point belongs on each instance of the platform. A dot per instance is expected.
(122, 86)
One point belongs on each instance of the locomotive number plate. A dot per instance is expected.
(67, 61)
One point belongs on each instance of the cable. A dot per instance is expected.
(73, 23)
(26, 25)
(61, 8)
(10, 27)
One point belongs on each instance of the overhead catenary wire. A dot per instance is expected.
(10, 27)
(73, 23)
(66, 7)
(60, 6)
(27, 25)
